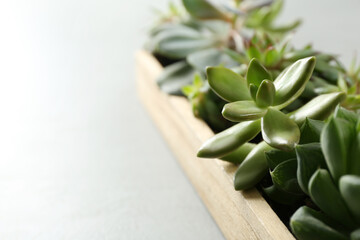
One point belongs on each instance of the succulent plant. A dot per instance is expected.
(200, 34)
(329, 172)
(256, 102)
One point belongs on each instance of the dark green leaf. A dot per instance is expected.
(275, 157)
(280, 196)
(311, 130)
(253, 168)
(309, 159)
(354, 153)
(336, 138)
(292, 81)
(265, 94)
(256, 73)
(327, 197)
(284, 177)
(242, 111)
(343, 113)
(349, 186)
(307, 224)
(227, 84)
(229, 140)
(279, 131)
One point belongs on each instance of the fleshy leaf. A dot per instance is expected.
(279, 131)
(336, 138)
(227, 84)
(256, 73)
(253, 168)
(242, 111)
(229, 140)
(343, 113)
(265, 94)
(253, 90)
(349, 186)
(284, 176)
(280, 196)
(311, 130)
(239, 154)
(202, 9)
(292, 81)
(276, 156)
(354, 153)
(318, 108)
(327, 197)
(309, 159)
(307, 223)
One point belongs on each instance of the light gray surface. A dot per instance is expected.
(79, 157)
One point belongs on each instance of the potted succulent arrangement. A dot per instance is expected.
(287, 120)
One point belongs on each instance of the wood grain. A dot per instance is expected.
(239, 215)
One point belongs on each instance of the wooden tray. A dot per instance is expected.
(239, 215)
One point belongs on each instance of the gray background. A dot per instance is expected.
(79, 157)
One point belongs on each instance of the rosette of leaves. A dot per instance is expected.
(255, 102)
(202, 36)
(329, 172)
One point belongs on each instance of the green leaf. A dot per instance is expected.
(336, 138)
(292, 81)
(253, 90)
(327, 197)
(349, 186)
(311, 131)
(275, 157)
(242, 111)
(354, 153)
(175, 76)
(273, 12)
(284, 176)
(202, 59)
(279, 131)
(253, 52)
(309, 158)
(227, 84)
(283, 28)
(272, 57)
(239, 154)
(202, 9)
(318, 108)
(280, 196)
(256, 73)
(229, 140)
(265, 94)
(253, 168)
(308, 224)
(345, 114)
